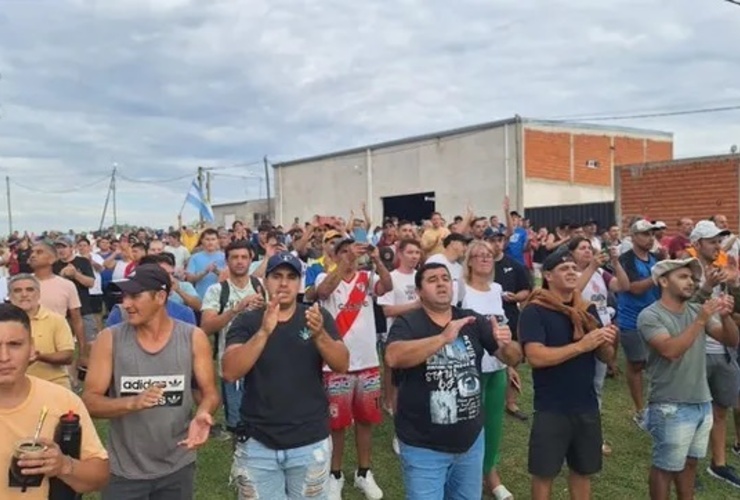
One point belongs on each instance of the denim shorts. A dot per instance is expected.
(261, 472)
(679, 431)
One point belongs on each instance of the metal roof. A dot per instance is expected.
(475, 128)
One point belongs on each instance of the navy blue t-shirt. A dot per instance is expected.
(568, 387)
(629, 305)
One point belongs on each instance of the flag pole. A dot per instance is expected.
(182, 209)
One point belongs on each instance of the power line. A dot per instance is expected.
(60, 191)
(734, 2)
(696, 111)
(236, 165)
(153, 181)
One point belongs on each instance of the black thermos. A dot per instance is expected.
(68, 436)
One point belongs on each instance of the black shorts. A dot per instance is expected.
(556, 438)
(96, 304)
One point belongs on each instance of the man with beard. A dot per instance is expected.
(679, 399)
(562, 339)
(222, 304)
(638, 263)
(722, 371)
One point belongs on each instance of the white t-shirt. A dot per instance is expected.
(212, 302)
(404, 292)
(3, 288)
(119, 271)
(456, 272)
(97, 288)
(597, 292)
(181, 255)
(488, 304)
(360, 337)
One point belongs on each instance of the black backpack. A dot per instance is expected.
(223, 300)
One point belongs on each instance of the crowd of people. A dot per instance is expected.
(300, 333)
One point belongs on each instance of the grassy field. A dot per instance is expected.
(624, 475)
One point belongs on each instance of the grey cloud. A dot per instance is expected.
(161, 87)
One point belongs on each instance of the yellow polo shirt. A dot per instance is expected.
(51, 333)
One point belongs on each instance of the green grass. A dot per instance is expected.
(624, 475)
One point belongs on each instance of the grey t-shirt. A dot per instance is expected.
(683, 380)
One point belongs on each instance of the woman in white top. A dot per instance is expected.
(595, 284)
(483, 295)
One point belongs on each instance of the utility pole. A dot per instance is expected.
(105, 205)
(10, 210)
(115, 206)
(200, 186)
(208, 186)
(267, 189)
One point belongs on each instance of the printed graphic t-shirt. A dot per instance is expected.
(439, 401)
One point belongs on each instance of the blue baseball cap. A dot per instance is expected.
(284, 259)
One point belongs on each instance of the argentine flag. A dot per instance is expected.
(195, 198)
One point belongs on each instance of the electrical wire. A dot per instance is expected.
(733, 2)
(696, 111)
(60, 191)
(254, 176)
(236, 165)
(153, 181)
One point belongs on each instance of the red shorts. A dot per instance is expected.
(353, 396)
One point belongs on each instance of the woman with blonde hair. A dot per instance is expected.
(484, 296)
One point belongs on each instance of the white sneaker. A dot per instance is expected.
(396, 446)
(335, 487)
(500, 492)
(368, 486)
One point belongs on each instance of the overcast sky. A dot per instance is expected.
(161, 86)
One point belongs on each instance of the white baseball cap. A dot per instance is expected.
(706, 229)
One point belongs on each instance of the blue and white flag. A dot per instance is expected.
(195, 198)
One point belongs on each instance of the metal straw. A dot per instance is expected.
(42, 418)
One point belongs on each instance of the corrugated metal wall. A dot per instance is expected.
(551, 216)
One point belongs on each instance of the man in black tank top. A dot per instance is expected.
(279, 351)
(139, 378)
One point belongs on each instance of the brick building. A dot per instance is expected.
(548, 168)
(690, 187)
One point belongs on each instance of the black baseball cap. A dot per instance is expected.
(452, 237)
(145, 278)
(286, 259)
(559, 256)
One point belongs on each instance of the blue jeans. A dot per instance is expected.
(679, 431)
(433, 475)
(296, 473)
(231, 395)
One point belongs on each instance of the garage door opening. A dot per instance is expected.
(412, 207)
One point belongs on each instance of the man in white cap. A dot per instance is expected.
(723, 374)
(638, 264)
(679, 415)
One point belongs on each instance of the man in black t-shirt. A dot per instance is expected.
(516, 282)
(79, 271)
(562, 338)
(436, 353)
(279, 352)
